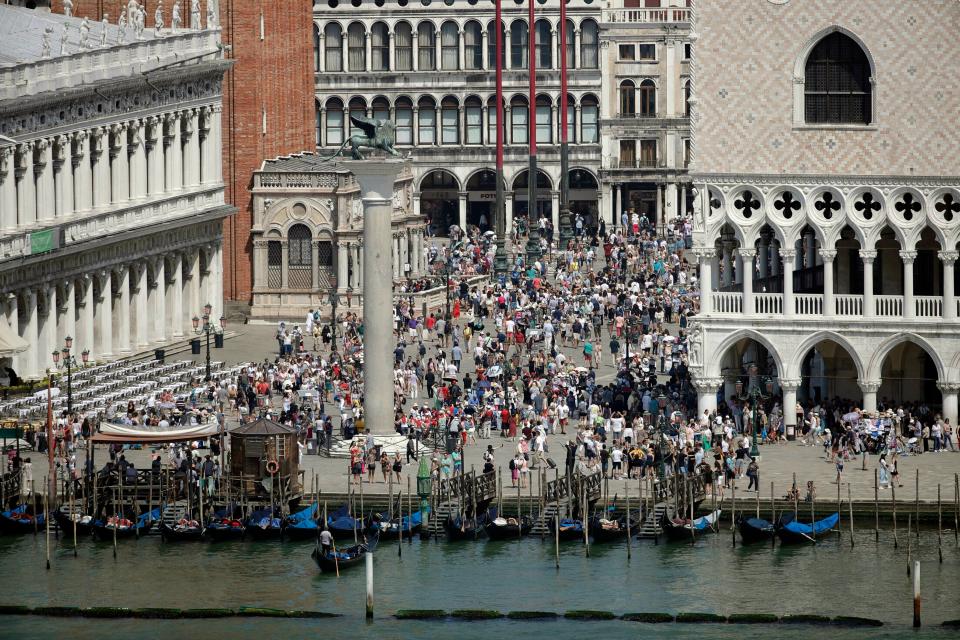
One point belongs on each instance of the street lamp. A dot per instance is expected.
(64, 359)
(756, 397)
(208, 329)
(661, 424)
(334, 300)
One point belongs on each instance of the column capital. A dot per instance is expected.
(948, 257)
(949, 387)
(869, 386)
(707, 385)
(790, 384)
(908, 256)
(828, 255)
(868, 255)
(748, 253)
(788, 254)
(705, 253)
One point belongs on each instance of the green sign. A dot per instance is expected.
(9, 434)
(43, 241)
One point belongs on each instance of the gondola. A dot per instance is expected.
(681, 529)
(508, 527)
(223, 528)
(790, 531)
(183, 531)
(344, 558)
(302, 525)
(21, 520)
(65, 521)
(467, 528)
(104, 529)
(569, 529)
(261, 526)
(753, 530)
(390, 529)
(603, 530)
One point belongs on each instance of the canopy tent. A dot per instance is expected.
(11, 343)
(131, 434)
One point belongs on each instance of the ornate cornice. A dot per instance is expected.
(817, 180)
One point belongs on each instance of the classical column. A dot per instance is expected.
(948, 258)
(321, 50)
(12, 313)
(555, 213)
(215, 143)
(156, 163)
(86, 329)
(869, 390)
(47, 338)
(216, 282)
(142, 291)
(788, 255)
(706, 258)
(104, 317)
(484, 59)
(829, 305)
(395, 251)
(462, 200)
(576, 49)
(726, 264)
(121, 308)
(27, 187)
(29, 361)
(909, 307)
(707, 394)
(789, 388)
(460, 57)
(659, 205)
(682, 199)
(284, 263)
(43, 170)
(342, 266)
(507, 48)
(83, 172)
(869, 306)
(368, 58)
(138, 161)
(376, 178)
(191, 148)
(193, 262)
(67, 326)
(206, 155)
(100, 163)
(672, 73)
(415, 52)
(63, 175)
(8, 191)
(392, 53)
(176, 323)
(119, 164)
(173, 155)
(315, 264)
(508, 206)
(948, 391)
(747, 256)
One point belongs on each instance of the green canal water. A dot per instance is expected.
(869, 580)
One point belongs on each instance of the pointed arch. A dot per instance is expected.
(715, 360)
(876, 362)
(813, 340)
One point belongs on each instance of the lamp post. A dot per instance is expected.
(446, 282)
(661, 420)
(756, 397)
(64, 359)
(334, 299)
(208, 329)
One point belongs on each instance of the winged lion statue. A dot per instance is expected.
(377, 134)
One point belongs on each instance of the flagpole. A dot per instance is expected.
(533, 239)
(500, 257)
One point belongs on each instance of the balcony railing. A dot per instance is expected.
(634, 163)
(889, 306)
(768, 304)
(728, 302)
(807, 305)
(849, 305)
(928, 306)
(646, 15)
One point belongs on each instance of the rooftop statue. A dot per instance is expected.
(377, 134)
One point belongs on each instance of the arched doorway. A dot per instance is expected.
(438, 200)
(909, 377)
(746, 365)
(482, 199)
(828, 373)
(521, 195)
(582, 193)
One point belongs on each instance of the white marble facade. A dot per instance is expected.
(111, 196)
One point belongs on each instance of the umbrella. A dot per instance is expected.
(495, 370)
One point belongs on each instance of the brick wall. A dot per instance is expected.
(274, 74)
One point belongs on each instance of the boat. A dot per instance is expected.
(465, 528)
(681, 529)
(21, 520)
(262, 525)
(336, 561)
(224, 528)
(124, 527)
(66, 523)
(605, 530)
(184, 530)
(390, 529)
(341, 523)
(508, 527)
(569, 529)
(754, 530)
(791, 531)
(302, 525)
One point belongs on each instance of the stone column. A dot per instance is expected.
(462, 209)
(376, 178)
(707, 394)
(706, 258)
(485, 43)
(342, 266)
(27, 187)
(949, 258)
(29, 361)
(948, 391)
(157, 301)
(284, 263)
(672, 73)
(100, 163)
(216, 282)
(576, 48)
(508, 206)
(12, 313)
(83, 173)
(63, 175)
(392, 51)
(173, 155)
(789, 388)
(47, 338)
(176, 296)
(788, 255)
(142, 290)
(395, 251)
(68, 325)
(191, 148)
(156, 163)
(909, 307)
(415, 52)
(726, 264)
(507, 47)
(122, 309)
(869, 389)
(869, 306)
(555, 213)
(86, 328)
(461, 60)
(8, 191)
(119, 164)
(215, 143)
(138, 161)
(829, 305)
(747, 256)
(206, 157)
(104, 317)
(659, 209)
(43, 170)
(194, 302)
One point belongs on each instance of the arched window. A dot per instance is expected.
(333, 42)
(356, 47)
(450, 121)
(358, 109)
(473, 109)
(837, 87)
(316, 48)
(426, 46)
(449, 46)
(473, 46)
(299, 257)
(628, 98)
(379, 47)
(404, 46)
(589, 119)
(319, 122)
(519, 41)
(589, 45)
(571, 45)
(403, 116)
(381, 108)
(334, 123)
(544, 45)
(544, 120)
(492, 45)
(518, 120)
(427, 121)
(648, 99)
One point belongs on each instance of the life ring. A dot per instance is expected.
(272, 467)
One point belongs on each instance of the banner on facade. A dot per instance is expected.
(42, 241)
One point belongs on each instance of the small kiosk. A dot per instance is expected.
(262, 450)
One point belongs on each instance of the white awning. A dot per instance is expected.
(112, 432)
(10, 343)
